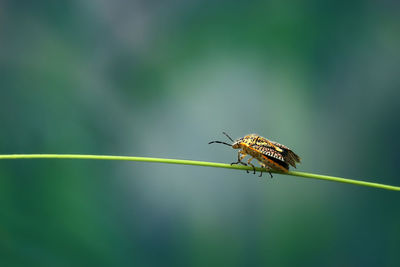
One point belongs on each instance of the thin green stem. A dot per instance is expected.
(196, 163)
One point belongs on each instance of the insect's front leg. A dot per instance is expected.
(241, 155)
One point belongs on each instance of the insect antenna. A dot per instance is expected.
(228, 136)
(219, 142)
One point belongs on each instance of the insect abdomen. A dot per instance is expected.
(275, 163)
(267, 156)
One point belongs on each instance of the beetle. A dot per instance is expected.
(271, 155)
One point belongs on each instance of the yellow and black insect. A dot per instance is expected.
(271, 155)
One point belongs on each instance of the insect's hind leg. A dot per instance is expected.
(267, 168)
(241, 155)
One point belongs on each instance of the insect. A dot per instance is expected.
(271, 155)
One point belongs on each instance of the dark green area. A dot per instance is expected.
(162, 79)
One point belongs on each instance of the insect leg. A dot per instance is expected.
(240, 157)
(269, 171)
(266, 168)
(262, 166)
(254, 168)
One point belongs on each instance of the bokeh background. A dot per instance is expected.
(163, 78)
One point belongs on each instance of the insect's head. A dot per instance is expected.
(235, 144)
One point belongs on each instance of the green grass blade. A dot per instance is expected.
(196, 163)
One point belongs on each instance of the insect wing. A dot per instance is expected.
(279, 145)
(289, 156)
(270, 152)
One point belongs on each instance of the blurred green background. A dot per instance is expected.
(163, 78)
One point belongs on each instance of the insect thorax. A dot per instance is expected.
(248, 140)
